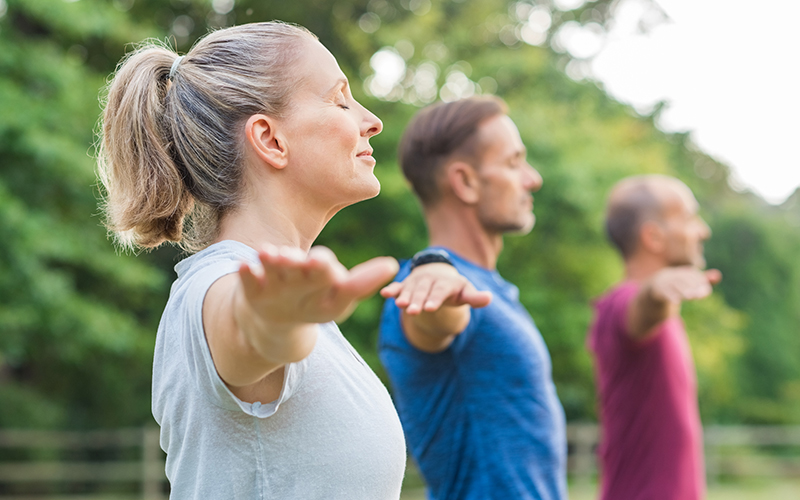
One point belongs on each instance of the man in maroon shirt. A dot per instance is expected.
(651, 445)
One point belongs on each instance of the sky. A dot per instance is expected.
(728, 71)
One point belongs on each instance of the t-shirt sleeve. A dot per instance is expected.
(392, 333)
(393, 336)
(197, 354)
(473, 327)
(619, 306)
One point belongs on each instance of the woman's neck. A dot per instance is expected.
(270, 219)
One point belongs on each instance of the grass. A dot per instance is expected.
(742, 489)
(749, 489)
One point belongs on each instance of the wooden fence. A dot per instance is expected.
(128, 464)
(120, 464)
(730, 451)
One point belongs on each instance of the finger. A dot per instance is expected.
(322, 254)
(364, 279)
(693, 290)
(251, 283)
(439, 293)
(422, 278)
(403, 299)
(475, 298)
(391, 290)
(292, 255)
(324, 266)
(269, 257)
(714, 276)
(703, 290)
(419, 295)
(290, 264)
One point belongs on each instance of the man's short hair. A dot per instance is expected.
(625, 216)
(440, 133)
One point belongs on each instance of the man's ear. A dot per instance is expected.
(463, 181)
(266, 141)
(652, 237)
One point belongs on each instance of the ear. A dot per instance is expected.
(265, 140)
(652, 237)
(463, 181)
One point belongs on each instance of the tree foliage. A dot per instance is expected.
(78, 319)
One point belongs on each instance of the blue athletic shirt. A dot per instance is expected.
(482, 418)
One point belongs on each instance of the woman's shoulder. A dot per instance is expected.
(220, 253)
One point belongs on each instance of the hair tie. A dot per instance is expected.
(174, 67)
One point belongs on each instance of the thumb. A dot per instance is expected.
(474, 297)
(713, 276)
(364, 279)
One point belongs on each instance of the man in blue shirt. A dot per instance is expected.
(472, 382)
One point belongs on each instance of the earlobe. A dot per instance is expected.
(463, 181)
(265, 140)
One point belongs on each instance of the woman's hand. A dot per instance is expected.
(266, 316)
(295, 288)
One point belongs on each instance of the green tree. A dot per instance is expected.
(78, 319)
(73, 313)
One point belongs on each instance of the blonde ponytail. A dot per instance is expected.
(170, 155)
(146, 197)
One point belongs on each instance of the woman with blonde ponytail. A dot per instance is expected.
(240, 152)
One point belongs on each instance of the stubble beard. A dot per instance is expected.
(502, 227)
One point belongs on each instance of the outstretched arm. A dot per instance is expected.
(436, 302)
(266, 316)
(660, 296)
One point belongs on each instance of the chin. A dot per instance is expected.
(522, 231)
(367, 191)
(375, 188)
(697, 263)
(520, 228)
(527, 226)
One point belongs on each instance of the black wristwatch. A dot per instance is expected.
(429, 256)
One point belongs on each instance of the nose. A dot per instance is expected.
(705, 230)
(533, 180)
(371, 124)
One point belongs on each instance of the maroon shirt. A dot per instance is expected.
(651, 446)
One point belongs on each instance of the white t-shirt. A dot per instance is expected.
(332, 434)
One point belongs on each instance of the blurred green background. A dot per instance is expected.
(78, 320)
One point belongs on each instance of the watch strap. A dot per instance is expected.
(430, 256)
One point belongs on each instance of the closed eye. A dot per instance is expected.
(342, 100)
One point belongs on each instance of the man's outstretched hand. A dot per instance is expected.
(676, 284)
(660, 296)
(432, 286)
(436, 301)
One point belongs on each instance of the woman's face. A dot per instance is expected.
(328, 133)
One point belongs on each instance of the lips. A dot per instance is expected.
(366, 152)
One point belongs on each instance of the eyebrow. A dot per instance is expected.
(341, 83)
(520, 153)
